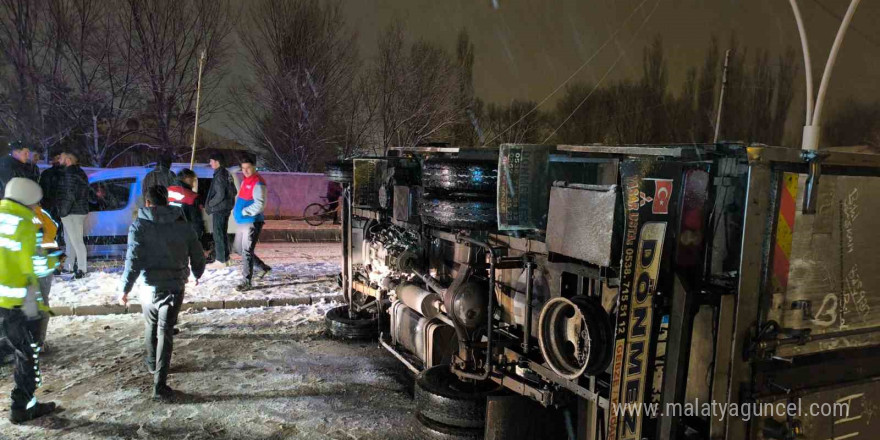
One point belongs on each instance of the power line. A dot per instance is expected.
(576, 72)
(599, 83)
(864, 35)
(666, 105)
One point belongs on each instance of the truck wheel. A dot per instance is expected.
(575, 336)
(340, 325)
(460, 175)
(459, 211)
(428, 429)
(339, 171)
(442, 398)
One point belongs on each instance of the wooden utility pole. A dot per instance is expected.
(192, 160)
(721, 98)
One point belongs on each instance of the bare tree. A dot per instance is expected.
(167, 38)
(705, 117)
(759, 96)
(787, 71)
(31, 54)
(418, 89)
(305, 103)
(466, 132)
(585, 113)
(498, 121)
(358, 117)
(100, 96)
(853, 122)
(654, 81)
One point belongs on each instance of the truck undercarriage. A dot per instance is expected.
(545, 291)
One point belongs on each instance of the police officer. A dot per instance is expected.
(20, 300)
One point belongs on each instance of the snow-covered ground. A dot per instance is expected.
(243, 374)
(298, 270)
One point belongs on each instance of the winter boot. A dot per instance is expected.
(244, 286)
(163, 393)
(79, 275)
(264, 271)
(17, 416)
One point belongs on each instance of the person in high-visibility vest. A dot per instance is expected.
(20, 299)
(47, 232)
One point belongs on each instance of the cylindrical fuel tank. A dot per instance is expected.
(408, 329)
(420, 300)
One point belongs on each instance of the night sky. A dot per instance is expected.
(526, 48)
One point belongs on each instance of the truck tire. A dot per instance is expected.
(442, 398)
(460, 175)
(428, 429)
(339, 171)
(459, 211)
(341, 326)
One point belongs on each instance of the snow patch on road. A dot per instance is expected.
(296, 280)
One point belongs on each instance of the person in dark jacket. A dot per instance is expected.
(162, 247)
(220, 201)
(33, 167)
(16, 165)
(182, 196)
(50, 180)
(161, 176)
(72, 204)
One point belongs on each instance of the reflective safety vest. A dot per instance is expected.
(47, 257)
(48, 228)
(19, 255)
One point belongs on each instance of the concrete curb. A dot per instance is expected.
(112, 309)
(302, 235)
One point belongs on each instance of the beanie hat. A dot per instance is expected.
(24, 191)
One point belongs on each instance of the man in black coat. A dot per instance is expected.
(50, 181)
(221, 200)
(162, 247)
(161, 176)
(72, 204)
(16, 165)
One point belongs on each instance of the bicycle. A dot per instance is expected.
(317, 213)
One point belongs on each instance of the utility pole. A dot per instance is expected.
(721, 98)
(192, 160)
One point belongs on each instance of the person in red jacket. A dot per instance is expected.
(248, 213)
(182, 196)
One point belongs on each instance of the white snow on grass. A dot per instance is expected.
(284, 316)
(212, 321)
(293, 280)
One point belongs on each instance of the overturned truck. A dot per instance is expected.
(593, 292)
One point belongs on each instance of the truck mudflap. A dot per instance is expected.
(651, 191)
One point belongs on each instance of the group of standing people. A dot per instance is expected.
(29, 257)
(65, 196)
(164, 247)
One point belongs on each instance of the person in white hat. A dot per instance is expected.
(20, 298)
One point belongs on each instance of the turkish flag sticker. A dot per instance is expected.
(662, 194)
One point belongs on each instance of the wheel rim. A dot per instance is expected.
(566, 337)
(314, 214)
